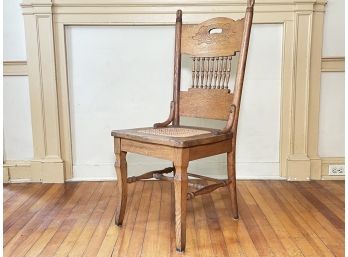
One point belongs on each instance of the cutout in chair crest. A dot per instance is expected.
(214, 33)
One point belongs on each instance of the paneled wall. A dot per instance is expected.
(18, 144)
(331, 128)
(17, 130)
(115, 82)
(333, 40)
(14, 38)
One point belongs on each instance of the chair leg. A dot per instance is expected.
(121, 171)
(180, 187)
(231, 172)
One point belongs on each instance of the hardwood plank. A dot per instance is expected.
(295, 224)
(339, 182)
(68, 193)
(288, 235)
(165, 220)
(33, 229)
(243, 237)
(326, 201)
(48, 230)
(320, 211)
(85, 236)
(204, 242)
(151, 231)
(191, 237)
(28, 211)
(126, 230)
(276, 236)
(10, 190)
(337, 189)
(331, 238)
(106, 221)
(112, 234)
(216, 235)
(277, 218)
(330, 192)
(255, 232)
(62, 230)
(15, 209)
(79, 225)
(227, 225)
(137, 239)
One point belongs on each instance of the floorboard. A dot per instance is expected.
(277, 218)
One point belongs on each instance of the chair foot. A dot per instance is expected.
(118, 221)
(180, 250)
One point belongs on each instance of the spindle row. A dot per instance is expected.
(211, 72)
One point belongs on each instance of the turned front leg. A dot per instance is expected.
(121, 171)
(180, 187)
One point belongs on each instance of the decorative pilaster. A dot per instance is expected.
(314, 90)
(298, 162)
(47, 165)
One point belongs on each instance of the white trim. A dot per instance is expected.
(20, 180)
(327, 177)
(212, 176)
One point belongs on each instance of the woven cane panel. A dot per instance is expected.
(174, 132)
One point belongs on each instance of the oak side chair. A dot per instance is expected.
(211, 44)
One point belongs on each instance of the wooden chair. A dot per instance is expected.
(212, 45)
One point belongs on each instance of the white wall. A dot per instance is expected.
(18, 144)
(331, 120)
(333, 41)
(117, 82)
(331, 128)
(14, 38)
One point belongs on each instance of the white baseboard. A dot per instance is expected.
(327, 177)
(78, 179)
(20, 180)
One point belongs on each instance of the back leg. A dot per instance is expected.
(231, 172)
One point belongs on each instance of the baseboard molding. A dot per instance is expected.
(20, 181)
(33, 171)
(42, 171)
(327, 177)
(325, 162)
(80, 179)
(17, 172)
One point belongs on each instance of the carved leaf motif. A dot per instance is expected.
(204, 36)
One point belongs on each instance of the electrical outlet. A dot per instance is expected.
(336, 170)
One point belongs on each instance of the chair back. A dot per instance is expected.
(212, 45)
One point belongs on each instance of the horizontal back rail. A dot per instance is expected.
(206, 103)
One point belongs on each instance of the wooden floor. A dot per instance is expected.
(277, 218)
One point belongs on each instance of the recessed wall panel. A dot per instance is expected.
(18, 142)
(331, 119)
(333, 37)
(121, 77)
(14, 38)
